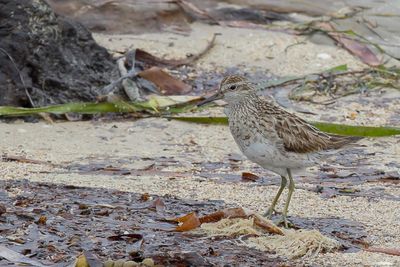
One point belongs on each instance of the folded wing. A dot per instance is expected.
(301, 137)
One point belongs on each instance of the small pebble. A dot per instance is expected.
(108, 263)
(119, 263)
(3, 209)
(148, 262)
(324, 56)
(130, 264)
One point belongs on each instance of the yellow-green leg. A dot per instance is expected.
(291, 189)
(271, 209)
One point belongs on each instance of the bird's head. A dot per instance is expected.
(232, 89)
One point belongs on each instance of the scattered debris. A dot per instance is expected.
(289, 243)
(191, 221)
(126, 234)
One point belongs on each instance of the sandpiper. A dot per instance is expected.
(272, 137)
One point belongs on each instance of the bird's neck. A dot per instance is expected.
(241, 104)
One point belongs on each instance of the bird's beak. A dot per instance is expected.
(216, 96)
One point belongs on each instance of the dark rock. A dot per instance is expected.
(47, 57)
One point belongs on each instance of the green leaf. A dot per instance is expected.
(339, 68)
(367, 131)
(342, 129)
(156, 104)
(84, 108)
(202, 120)
(349, 32)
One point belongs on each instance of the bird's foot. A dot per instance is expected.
(285, 222)
(271, 211)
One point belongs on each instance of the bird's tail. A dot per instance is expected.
(338, 141)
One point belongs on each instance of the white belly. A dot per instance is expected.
(268, 156)
(263, 150)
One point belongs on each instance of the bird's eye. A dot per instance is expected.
(232, 87)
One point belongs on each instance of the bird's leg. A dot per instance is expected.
(271, 209)
(291, 189)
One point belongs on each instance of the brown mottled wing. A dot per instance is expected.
(301, 137)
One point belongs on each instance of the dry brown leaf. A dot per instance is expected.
(167, 84)
(149, 59)
(188, 222)
(213, 217)
(191, 221)
(241, 213)
(225, 213)
(267, 226)
(248, 176)
(356, 48)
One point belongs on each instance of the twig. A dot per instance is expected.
(291, 45)
(107, 89)
(6, 158)
(389, 251)
(210, 45)
(151, 60)
(294, 80)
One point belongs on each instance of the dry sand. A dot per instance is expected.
(249, 49)
(138, 144)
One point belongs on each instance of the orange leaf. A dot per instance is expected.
(248, 176)
(267, 226)
(188, 222)
(213, 217)
(225, 213)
